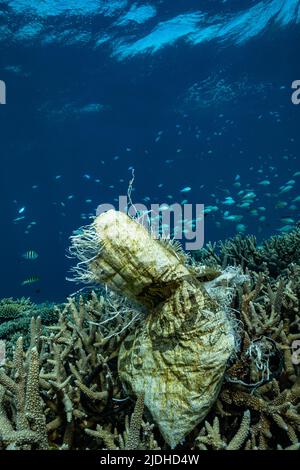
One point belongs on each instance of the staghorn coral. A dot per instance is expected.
(131, 438)
(281, 409)
(67, 383)
(273, 255)
(263, 377)
(11, 309)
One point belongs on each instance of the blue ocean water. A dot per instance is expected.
(191, 94)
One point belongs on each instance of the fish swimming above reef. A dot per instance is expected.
(30, 280)
(30, 255)
(186, 189)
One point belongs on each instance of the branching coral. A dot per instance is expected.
(210, 436)
(63, 391)
(273, 255)
(67, 382)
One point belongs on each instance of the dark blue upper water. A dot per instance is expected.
(189, 93)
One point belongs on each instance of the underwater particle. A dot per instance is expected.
(30, 280)
(30, 255)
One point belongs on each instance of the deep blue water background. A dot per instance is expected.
(42, 138)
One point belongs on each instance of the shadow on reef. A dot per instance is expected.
(64, 391)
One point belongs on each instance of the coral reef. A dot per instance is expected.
(63, 391)
(15, 317)
(273, 255)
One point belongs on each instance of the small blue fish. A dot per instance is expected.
(186, 189)
(241, 228)
(287, 220)
(30, 280)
